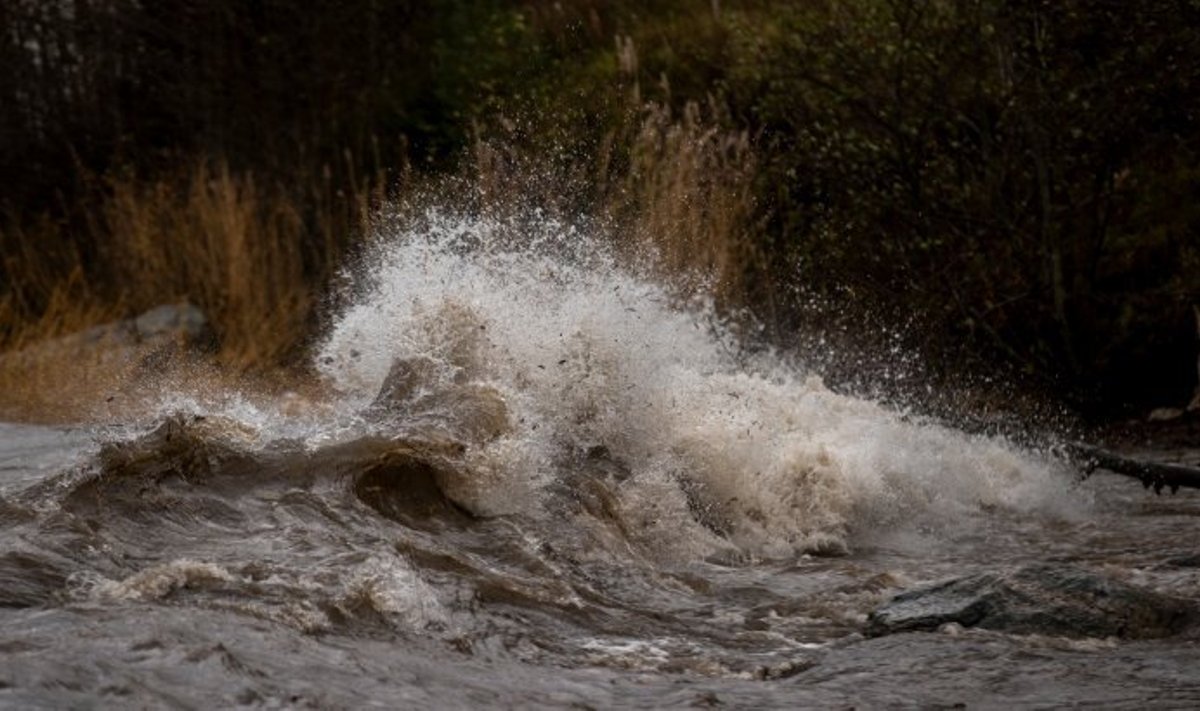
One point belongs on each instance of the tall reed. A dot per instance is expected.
(223, 245)
(673, 190)
(686, 199)
(256, 260)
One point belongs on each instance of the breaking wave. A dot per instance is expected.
(521, 451)
(563, 375)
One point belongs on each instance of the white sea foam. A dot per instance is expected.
(159, 581)
(391, 586)
(586, 354)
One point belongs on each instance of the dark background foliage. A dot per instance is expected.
(1016, 181)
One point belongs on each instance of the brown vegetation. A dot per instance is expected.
(688, 199)
(681, 205)
(256, 261)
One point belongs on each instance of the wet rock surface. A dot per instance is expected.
(1037, 599)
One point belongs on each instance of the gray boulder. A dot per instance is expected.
(149, 339)
(1038, 599)
(172, 321)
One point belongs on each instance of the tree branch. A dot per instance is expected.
(1151, 474)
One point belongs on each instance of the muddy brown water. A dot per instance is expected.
(178, 570)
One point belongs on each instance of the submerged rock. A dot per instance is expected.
(414, 389)
(404, 383)
(1037, 599)
(1185, 561)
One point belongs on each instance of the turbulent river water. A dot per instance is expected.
(536, 480)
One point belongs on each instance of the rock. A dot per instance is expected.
(160, 326)
(147, 341)
(1185, 561)
(415, 391)
(1164, 414)
(1038, 599)
(102, 369)
(404, 382)
(172, 320)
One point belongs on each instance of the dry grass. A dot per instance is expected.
(67, 382)
(256, 261)
(219, 243)
(44, 383)
(686, 201)
(674, 191)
